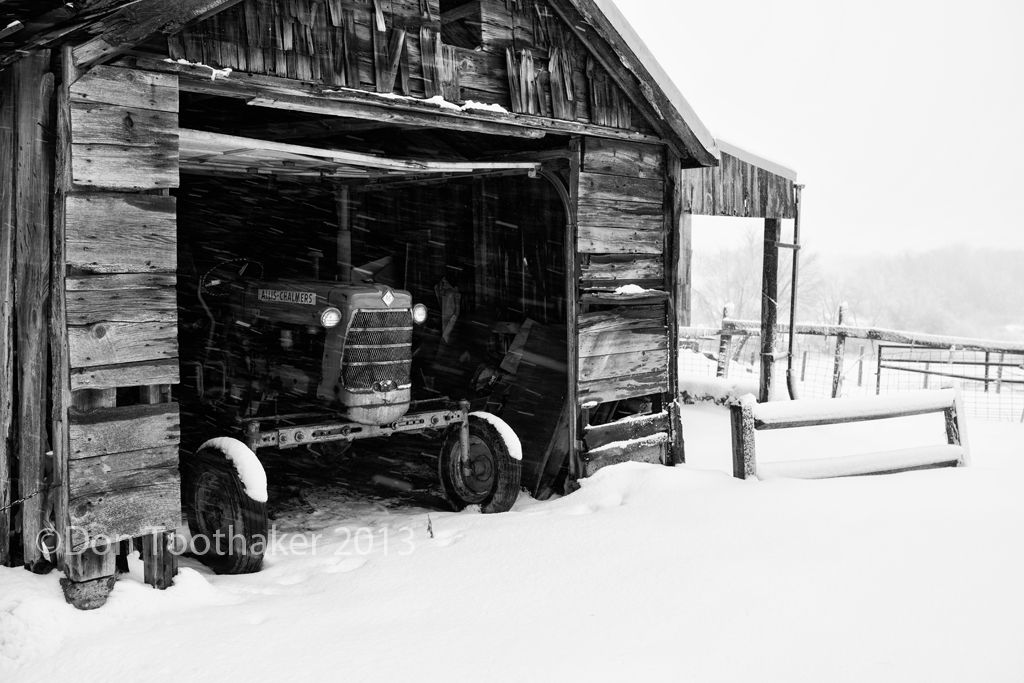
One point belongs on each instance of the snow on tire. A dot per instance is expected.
(229, 528)
(490, 477)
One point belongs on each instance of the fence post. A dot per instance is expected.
(724, 344)
(803, 367)
(837, 370)
(987, 355)
(999, 373)
(878, 370)
(744, 462)
(860, 367)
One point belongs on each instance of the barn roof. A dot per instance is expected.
(101, 29)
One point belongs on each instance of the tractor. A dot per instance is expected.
(306, 363)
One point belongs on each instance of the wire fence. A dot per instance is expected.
(832, 361)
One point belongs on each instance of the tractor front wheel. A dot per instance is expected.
(229, 529)
(488, 476)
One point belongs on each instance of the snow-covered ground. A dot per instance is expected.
(647, 572)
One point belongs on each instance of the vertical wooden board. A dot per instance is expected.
(127, 87)
(121, 233)
(33, 189)
(6, 301)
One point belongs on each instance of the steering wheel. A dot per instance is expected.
(224, 277)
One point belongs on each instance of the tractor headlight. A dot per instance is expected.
(330, 317)
(419, 314)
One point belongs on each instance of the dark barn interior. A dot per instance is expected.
(483, 251)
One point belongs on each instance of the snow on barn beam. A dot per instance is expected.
(205, 152)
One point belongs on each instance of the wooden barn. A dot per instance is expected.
(524, 167)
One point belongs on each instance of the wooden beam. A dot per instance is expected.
(224, 145)
(283, 93)
(33, 86)
(769, 306)
(138, 21)
(60, 386)
(6, 305)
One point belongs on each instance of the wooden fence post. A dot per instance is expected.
(724, 344)
(837, 369)
(744, 461)
(999, 373)
(955, 434)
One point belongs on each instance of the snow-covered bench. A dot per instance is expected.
(750, 417)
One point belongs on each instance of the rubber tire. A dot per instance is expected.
(508, 471)
(210, 477)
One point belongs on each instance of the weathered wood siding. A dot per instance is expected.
(623, 338)
(737, 188)
(120, 307)
(519, 55)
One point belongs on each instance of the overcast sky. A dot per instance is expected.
(904, 119)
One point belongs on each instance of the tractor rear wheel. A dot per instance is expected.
(229, 529)
(489, 477)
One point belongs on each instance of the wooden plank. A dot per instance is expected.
(619, 241)
(132, 88)
(127, 375)
(101, 124)
(649, 450)
(121, 471)
(621, 388)
(60, 390)
(616, 269)
(598, 344)
(124, 167)
(128, 513)
(126, 306)
(622, 319)
(623, 365)
(117, 430)
(33, 88)
(626, 429)
(614, 214)
(119, 281)
(614, 157)
(117, 343)
(121, 233)
(7, 251)
(597, 186)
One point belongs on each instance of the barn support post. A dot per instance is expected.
(33, 184)
(677, 283)
(769, 306)
(6, 308)
(572, 293)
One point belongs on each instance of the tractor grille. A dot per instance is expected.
(378, 349)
